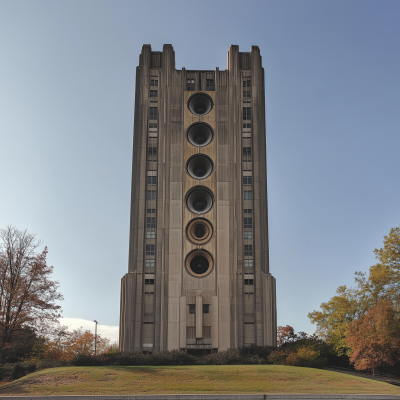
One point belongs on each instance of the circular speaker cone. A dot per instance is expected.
(199, 263)
(199, 166)
(199, 200)
(199, 231)
(200, 134)
(200, 104)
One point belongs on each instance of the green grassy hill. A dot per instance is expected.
(114, 380)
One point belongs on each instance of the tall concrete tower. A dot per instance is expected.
(198, 275)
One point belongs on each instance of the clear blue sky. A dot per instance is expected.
(67, 84)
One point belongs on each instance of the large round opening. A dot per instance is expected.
(199, 231)
(200, 134)
(199, 200)
(200, 104)
(199, 166)
(199, 263)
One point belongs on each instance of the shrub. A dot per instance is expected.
(278, 357)
(17, 372)
(42, 364)
(88, 360)
(231, 357)
(30, 367)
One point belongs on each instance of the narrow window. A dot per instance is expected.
(192, 308)
(248, 211)
(151, 222)
(151, 195)
(249, 282)
(247, 151)
(248, 263)
(206, 308)
(153, 93)
(247, 180)
(190, 84)
(246, 113)
(149, 281)
(248, 223)
(210, 84)
(153, 125)
(246, 126)
(149, 263)
(248, 195)
(150, 249)
(151, 180)
(151, 211)
(150, 235)
(152, 151)
(248, 249)
(154, 82)
(248, 235)
(153, 112)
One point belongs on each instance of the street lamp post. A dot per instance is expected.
(95, 337)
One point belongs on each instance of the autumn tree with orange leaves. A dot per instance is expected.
(285, 334)
(28, 295)
(71, 344)
(374, 338)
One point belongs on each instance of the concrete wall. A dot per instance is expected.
(156, 300)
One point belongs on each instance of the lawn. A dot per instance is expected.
(114, 380)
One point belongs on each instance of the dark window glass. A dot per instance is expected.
(153, 112)
(149, 281)
(248, 195)
(247, 151)
(151, 195)
(248, 211)
(151, 180)
(246, 93)
(210, 84)
(153, 125)
(206, 308)
(246, 126)
(248, 222)
(150, 249)
(248, 83)
(152, 151)
(192, 308)
(246, 113)
(154, 82)
(248, 249)
(151, 222)
(151, 211)
(153, 93)
(190, 84)
(249, 282)
(247, 180)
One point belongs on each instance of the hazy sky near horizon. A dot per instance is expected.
(67, 84)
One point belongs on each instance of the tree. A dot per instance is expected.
(78, 342)
(285, 334)
(374, 338)
(28, 296)
(350, 304)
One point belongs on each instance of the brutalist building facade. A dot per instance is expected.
(199, 277)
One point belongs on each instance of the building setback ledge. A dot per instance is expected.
(215, 397)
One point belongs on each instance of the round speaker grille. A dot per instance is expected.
(199, 263)
(199, 200)
(200, 134)
(199, 166)
(199, 231)
(200, 104)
